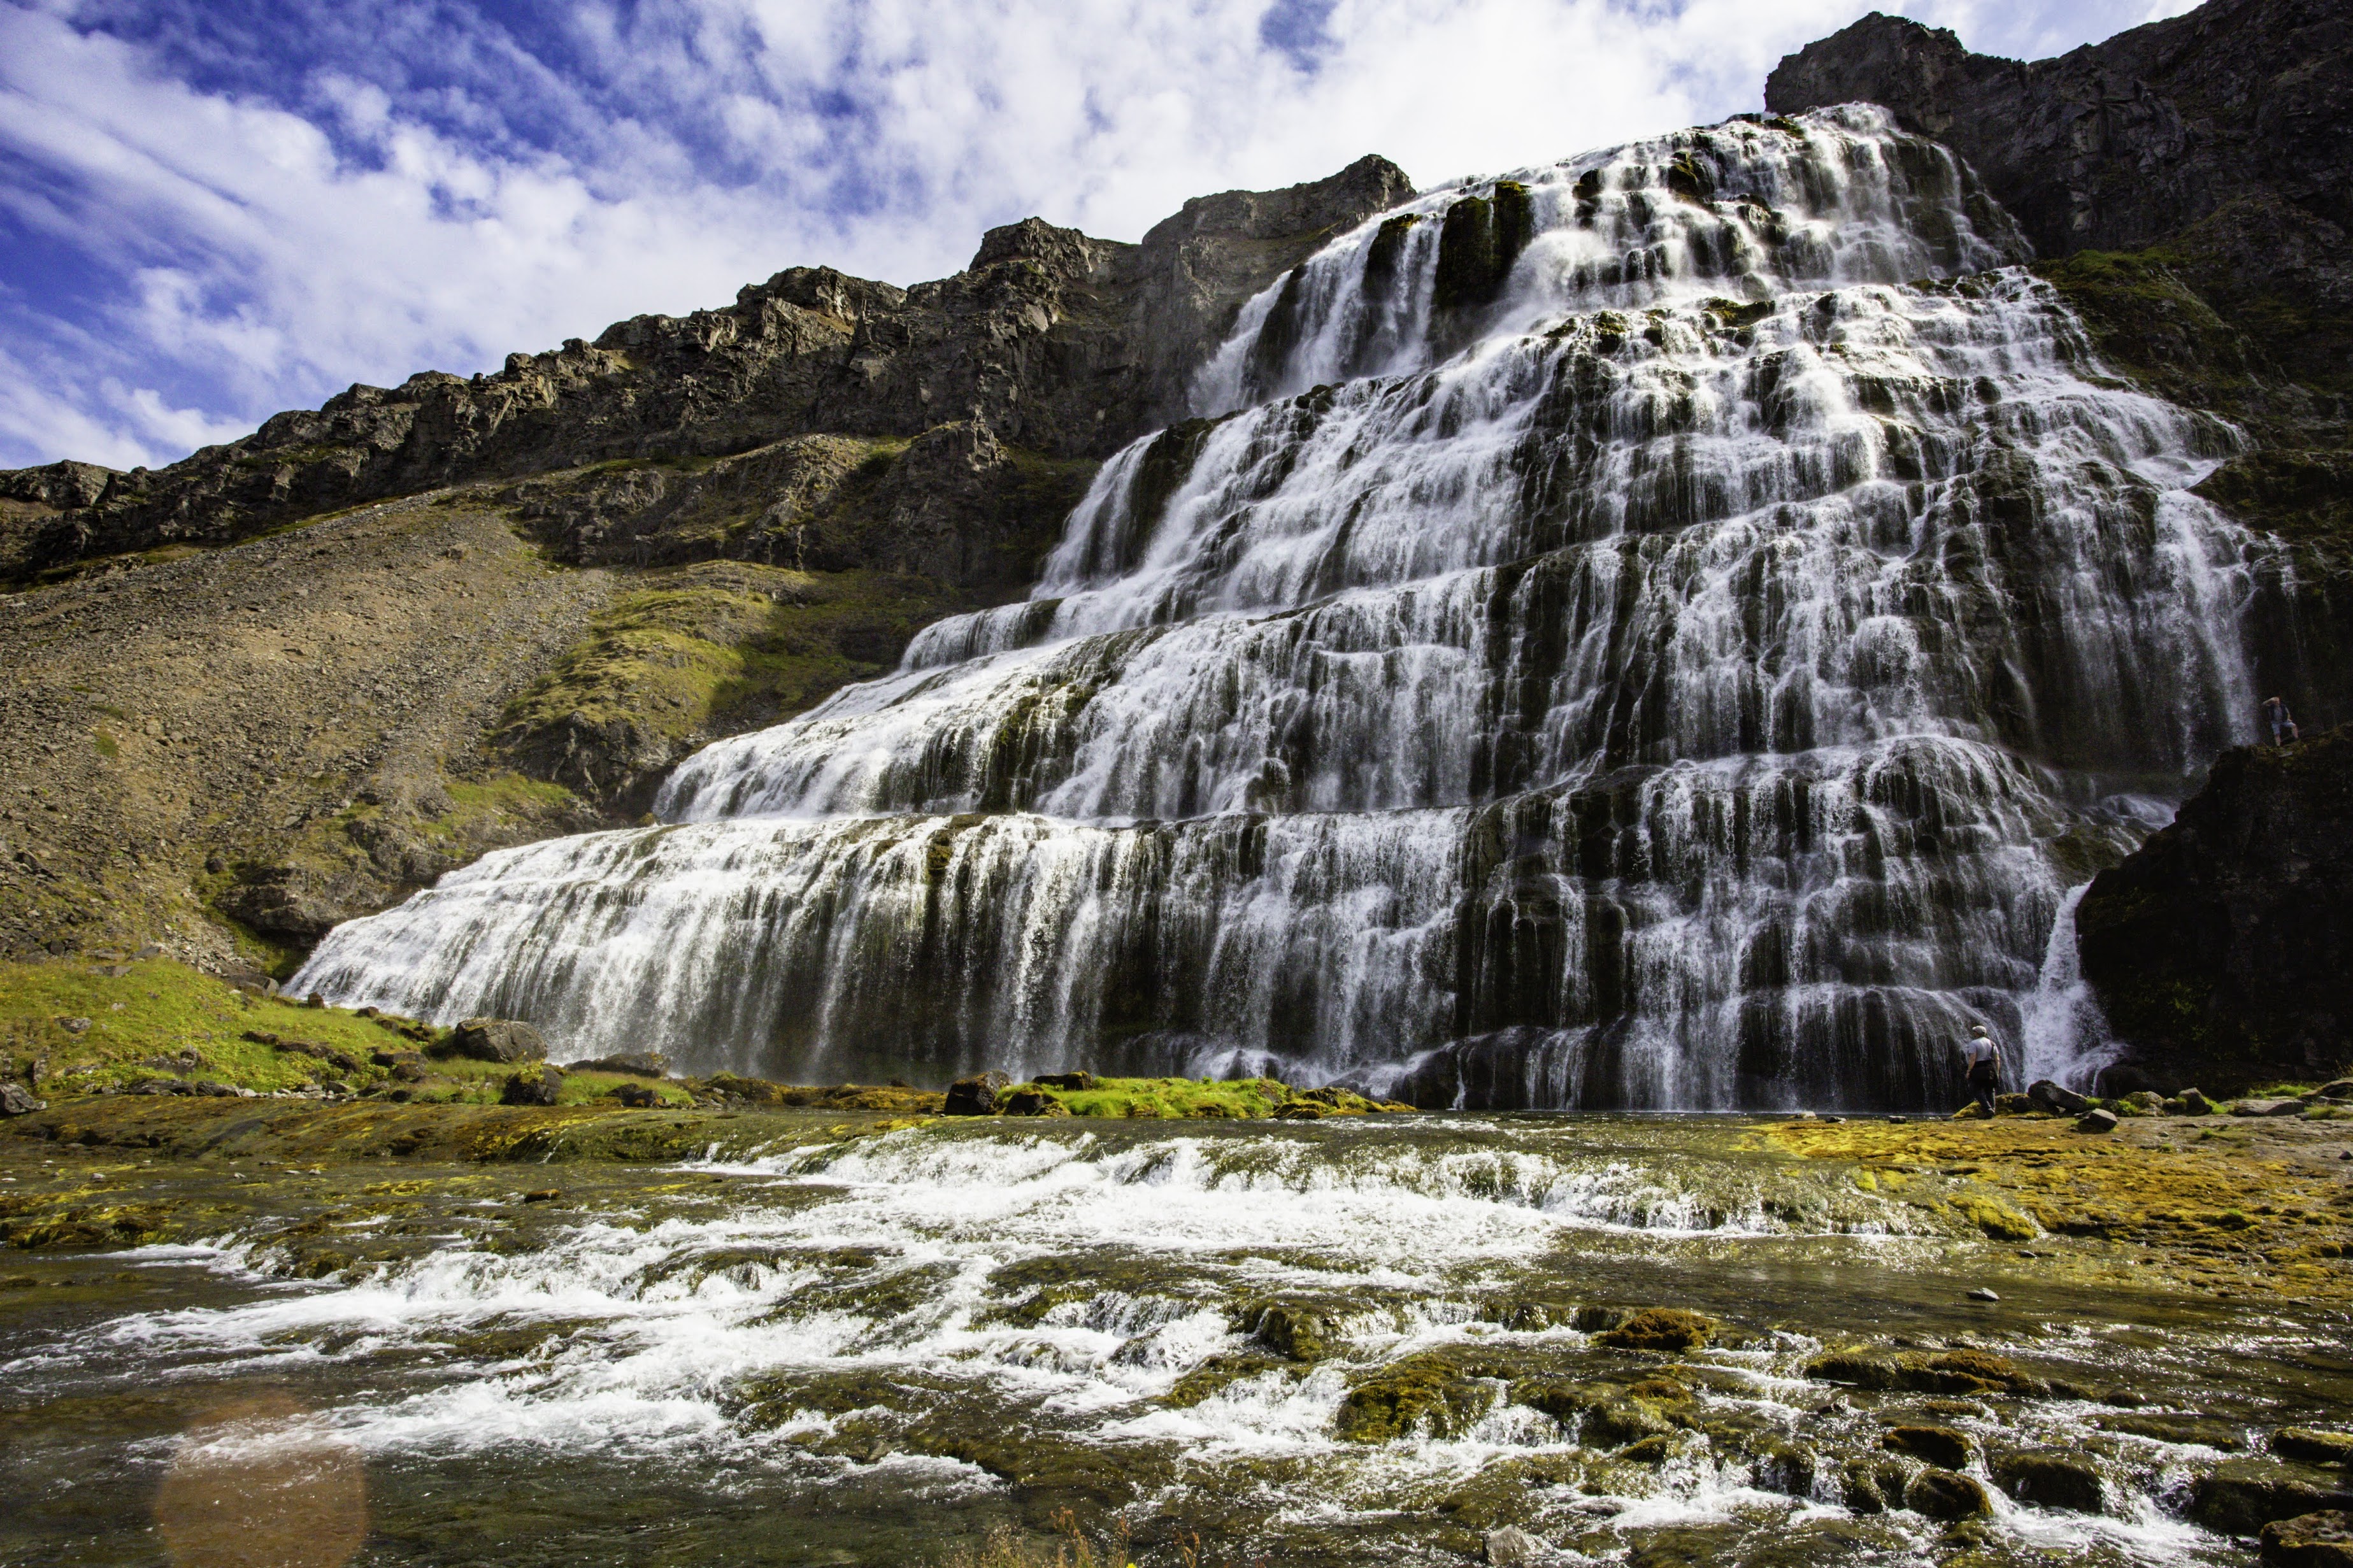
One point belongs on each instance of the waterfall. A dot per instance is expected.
(1667, 629)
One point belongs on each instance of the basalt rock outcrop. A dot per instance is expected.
(1050, 343)
(2219, 948)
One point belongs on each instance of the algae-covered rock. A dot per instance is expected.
(2310, 1540)
(2312, 1446)
(1946, 1494)
(1943, 1445)
(2242, 1495)
(2051, 1480)
(1425, 1393)
(1914, 1372)
(1031, 1100)
(16, 1101)
(1661, 1328)
(1302, 1333)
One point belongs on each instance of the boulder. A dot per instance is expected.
(2057, 1098)
(2310, 1540)
(1032, 1101)
(532, 1086)
(975, 1096)
(2050, 1479)
(636, 1096)
(2312, 1446)
(1946, 1494)
(496, 1040)
(1067, 1081)
(2268, 1108)
(641, 1063)
(2194, 1103)
(1661, 1328)
(2241, 1496)
(2096, 1121)
(17, 1100)
(2340, 1089)
(1943, 1446)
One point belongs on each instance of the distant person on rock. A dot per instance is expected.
(1985, 1067)
(2282, 721)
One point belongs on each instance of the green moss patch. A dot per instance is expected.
(90, 1025)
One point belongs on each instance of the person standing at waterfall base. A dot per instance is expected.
(1985, 1069)
(2281, 722)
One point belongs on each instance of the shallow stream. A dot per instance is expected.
(1359, 1342)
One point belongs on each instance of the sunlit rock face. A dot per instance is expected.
(1669, 630)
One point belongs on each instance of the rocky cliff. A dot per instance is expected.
(290, 678)
(2221, 947)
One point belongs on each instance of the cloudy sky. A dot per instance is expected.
(213, 209)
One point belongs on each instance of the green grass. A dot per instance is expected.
(709, 648)
(162, 1008)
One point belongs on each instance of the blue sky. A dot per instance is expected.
(213, 209)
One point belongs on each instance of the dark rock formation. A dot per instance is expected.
(2123, 144)
(496, 1040)
(532, 1086)
(1050, 344)
(976, 1095)
(2219, 948)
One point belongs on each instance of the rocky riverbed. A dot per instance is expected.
(594, 1334)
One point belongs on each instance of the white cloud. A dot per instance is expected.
(248, 257)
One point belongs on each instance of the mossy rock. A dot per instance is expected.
(1436, 1393)
(1670, 1330)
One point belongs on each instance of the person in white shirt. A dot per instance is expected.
(1985, 1067)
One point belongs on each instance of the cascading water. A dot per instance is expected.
(1667, 631)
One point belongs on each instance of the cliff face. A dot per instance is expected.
(2123, 144)
(2221, 947)
(1055, 345)
(292, 678)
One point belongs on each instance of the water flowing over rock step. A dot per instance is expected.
(1677, 641)
(1615, 1336)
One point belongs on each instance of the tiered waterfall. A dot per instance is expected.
(1665, 631)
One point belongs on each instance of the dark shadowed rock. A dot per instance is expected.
(1946, 1494)
(976, 1095)
(2050, 1480)
(2047, 1095)
(2310, 1540)
(2242, 1495)
(532, 1086)
(1029, 1101)
(1943, 1446)
(2219, 948)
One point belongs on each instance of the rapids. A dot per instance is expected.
(1665, 631)
(1314, 1344)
